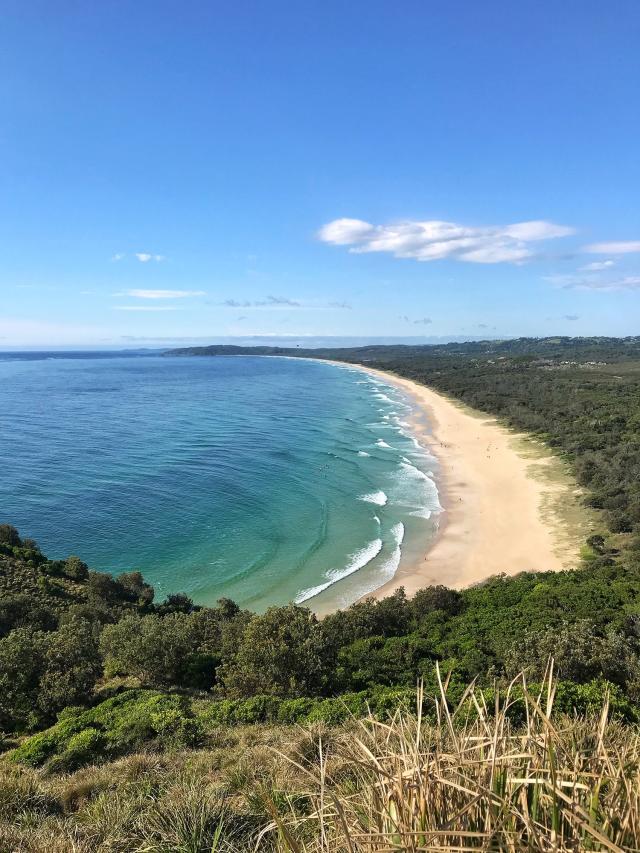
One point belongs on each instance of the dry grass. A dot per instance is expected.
(472, 780)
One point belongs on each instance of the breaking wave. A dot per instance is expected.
(357, 561)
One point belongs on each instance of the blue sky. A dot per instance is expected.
(174, 171)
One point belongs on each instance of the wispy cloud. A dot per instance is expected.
(571, 317)
(276, 302)
(421, 321)
(147, 308)
(162, 294)
(596, 266)
(145, 257)
(595, 282)
(433, 240)
(628, 282)
(619, 247)
(269, 302)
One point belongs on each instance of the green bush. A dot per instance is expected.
(85, 747)
(381, 702)
(117, 726)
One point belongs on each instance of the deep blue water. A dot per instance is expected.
(262, 479)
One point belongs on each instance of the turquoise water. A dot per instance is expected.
(262, 479)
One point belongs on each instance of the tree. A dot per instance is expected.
(102, 587)
(370, 618)
(72, 665)
(279, 655)
(435, 598)
(376, 660)
(75, 569)
(22, 611)
(9, 535)
(152, 648)
(177, 602)
(134, 588)
(22, 664)
(580, 654)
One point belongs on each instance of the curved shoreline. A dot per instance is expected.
(500, 499)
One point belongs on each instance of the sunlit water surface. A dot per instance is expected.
(262, 479)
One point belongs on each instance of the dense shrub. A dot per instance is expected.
(115, 727)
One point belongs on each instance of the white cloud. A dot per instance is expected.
(117, 257)
(621, 247)
(145, 257)
(146, 308)
(598, 265)
(162, 294)
(432, 240)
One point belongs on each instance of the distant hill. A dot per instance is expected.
(557, 347)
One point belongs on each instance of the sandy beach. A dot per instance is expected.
(503, 497)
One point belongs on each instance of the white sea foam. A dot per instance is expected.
(415, 490)
(410, 469)
(422, 513)
(382, 443)
(380, 396)
(378, 498)
(356, 562)
(390, 565)
(363, 453)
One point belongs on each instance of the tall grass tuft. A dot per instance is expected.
(474, 780)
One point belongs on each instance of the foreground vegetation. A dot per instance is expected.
(77, 641)
(467, 777)
(131, 724)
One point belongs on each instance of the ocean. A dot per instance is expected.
(264, 480)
